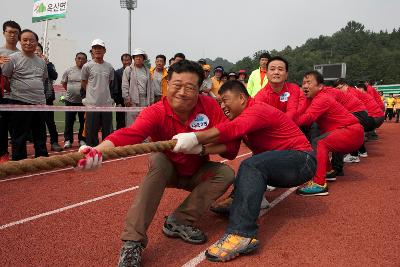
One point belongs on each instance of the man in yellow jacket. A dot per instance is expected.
(390, 102)
(397, 108)
(159, 75)
(258, 78)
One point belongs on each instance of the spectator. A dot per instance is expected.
(71, 81)
(397, 108)
(126, 60)
(390, 102)
(207, 83)
(179, 57)
(50, 97)
(202, 62)
(170, 61)
(242, 75)
(216, 80)
(11, 31)
(159, 75)
(257, 79)
(137, 86)
(96, 78)
(27, 73)
(232, 76)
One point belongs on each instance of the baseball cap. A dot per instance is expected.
(219, 68)
(98, 42)
(139, 51)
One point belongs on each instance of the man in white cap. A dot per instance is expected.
(96, 78)
(137, 86)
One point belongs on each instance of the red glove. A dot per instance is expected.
(92, 159)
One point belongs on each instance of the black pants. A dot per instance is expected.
(94, 122)
(389, 113)
(21, 124)
(70, 117)
(51, 125)
(397, 114)
(120, 117)
(4, 128)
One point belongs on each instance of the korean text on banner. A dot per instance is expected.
(49, 9)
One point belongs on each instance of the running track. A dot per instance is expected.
(71, 218)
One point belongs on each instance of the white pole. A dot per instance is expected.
(130, 32)
(45, 38)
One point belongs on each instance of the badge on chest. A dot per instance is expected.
(200, 122)
(284, 97)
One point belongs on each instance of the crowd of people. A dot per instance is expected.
(299, 135)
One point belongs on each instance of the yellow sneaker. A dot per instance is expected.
(230, 246)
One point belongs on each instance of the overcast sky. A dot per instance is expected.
(230, 29)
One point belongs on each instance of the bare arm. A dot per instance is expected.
(208, 136)
(104, 145)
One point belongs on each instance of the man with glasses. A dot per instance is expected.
(182, 110)
(71, 81)
(11, 31)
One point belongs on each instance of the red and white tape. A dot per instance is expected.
(68, 108)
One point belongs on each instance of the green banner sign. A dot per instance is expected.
(49, 9)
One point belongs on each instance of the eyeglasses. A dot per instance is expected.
(12, 32)
(188, 89)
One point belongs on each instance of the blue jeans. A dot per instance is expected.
(286, 168)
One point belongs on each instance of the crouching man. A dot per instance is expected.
(182, 110)
(282, 157)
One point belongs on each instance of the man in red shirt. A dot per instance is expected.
(374, 119)
(182, 110)
(279, 93)
(374, 93)
(341, 131)
(355, 107)
(282, 157)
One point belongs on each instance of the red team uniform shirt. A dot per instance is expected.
(287, 100)
(327, 113)
(160, 123)
(350, 102)
(373, 109)
(264, 128)
(375, 95)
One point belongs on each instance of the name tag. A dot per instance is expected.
(284, 97)
(200, 122)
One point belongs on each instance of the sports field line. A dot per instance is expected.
(65, 169)
(48, 213)
(201, 256)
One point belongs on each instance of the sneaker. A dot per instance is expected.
(4, 158)
(363, 155)
(270, 188)
(331, 175)
(351, 159)
(67, 144)
(222, 207)
(188, 233)
(56, 147)
(82, 143)
(130, 255)
(230, 246)
(312, 189)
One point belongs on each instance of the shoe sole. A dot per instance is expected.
(247, 250)
(172, 234)
(316, 194)
(330, 179)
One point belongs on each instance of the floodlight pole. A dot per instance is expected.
(130, 32)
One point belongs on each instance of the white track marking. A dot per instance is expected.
(48, 213)
(45, 214)
(64, 169)
(201, 256)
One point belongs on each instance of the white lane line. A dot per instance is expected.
(201, 257)
(69, 168)
(48, 213)
(4, 226)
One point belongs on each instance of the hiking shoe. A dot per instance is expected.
(188, 233)
(363, 155)
(230, 246)
(67, 144)
(130, 255)
(312, 189)
(351, 159)
(4, 158)
(82, 143)
(56, 147)
(222, 207)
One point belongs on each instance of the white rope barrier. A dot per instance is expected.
(5, 107)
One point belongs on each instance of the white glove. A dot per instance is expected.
(186, 142)
(92, 159)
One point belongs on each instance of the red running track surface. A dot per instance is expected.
(356, 225)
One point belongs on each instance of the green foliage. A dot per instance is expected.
(368, 55)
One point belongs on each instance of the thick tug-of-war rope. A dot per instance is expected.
(71, 159)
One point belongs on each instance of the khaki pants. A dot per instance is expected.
(206, 185)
